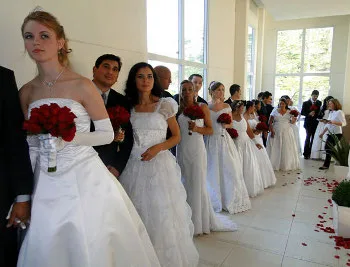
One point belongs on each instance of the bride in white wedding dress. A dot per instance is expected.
(81, 216)
(192, 158)
(152, 178)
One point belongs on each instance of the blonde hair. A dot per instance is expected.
(52, 23)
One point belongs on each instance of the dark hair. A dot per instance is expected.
(284, 101)
(285, 97)
(256, 102)
(260, 94)
(236, 104)
(51, 22)
(104, 57)
(214, 85)
(249, 104)
(234, 88)
(131, 90)
(194, 75)
(315, 92)
(325, 104)
(266, 94)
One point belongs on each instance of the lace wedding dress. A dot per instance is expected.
(156, 190)
(81, 215)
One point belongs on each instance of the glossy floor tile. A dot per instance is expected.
(281, 228)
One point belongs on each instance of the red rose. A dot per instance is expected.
(263, 118)
(194, 112)
(233, 133)
(119, 117)
(224, 118)
(294, 113)
(313, 107)
(262, 126)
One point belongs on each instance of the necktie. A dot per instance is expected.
(104, 97)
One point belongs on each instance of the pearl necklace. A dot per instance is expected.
(50, 84)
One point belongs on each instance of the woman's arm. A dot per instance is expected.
(271, 120)
(208, 128)
(175, 138)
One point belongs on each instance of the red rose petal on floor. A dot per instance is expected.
(348, 264)
(329, 201)
(324, 213)
(336, 256)
(320, 216)
(337, 248)
(316, 230)
(348, 254)
(325, 207)
(330, 218)
(304, 244)
(293, 215)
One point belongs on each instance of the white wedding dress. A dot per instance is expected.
(226, 186)
(156, 190)
(318, 150)
(81, 216)
(296, 131)
(192, 158)
(267, 174)
(248, 152)
(282, 148)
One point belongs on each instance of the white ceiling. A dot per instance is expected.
(297, 9)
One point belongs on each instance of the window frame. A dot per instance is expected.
(180, 61)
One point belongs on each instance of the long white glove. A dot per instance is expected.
(102, 135)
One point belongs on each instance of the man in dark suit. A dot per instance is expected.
(106, 72)
(235, 92)
(164, 77)
(16, 176)
(311, 108)
(197, 81)
(266, 109)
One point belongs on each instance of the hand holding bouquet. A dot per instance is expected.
(119, 117)
(54, 125)
(224, 118)
(193, 112)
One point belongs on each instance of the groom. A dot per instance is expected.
(105, 73)
(16, 177)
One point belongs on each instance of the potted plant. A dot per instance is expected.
(340, 153)
(341, 209)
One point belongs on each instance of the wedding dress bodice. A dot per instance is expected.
(71, 154)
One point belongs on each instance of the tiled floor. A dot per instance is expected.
(270, 236)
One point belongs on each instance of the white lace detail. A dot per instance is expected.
(168, 107)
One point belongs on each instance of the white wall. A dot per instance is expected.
(221, 41)
(340, 56)
(93, 28)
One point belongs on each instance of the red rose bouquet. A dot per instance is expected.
(194, 112)
(313, 107)
(224, 118)
(294, 113)
(263, 118)
(51, 120)
(119, 117)
(232, 132)
(262, 126)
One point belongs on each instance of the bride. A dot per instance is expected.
(81, 216)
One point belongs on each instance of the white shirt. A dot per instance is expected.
(336, 115)
(106, 93)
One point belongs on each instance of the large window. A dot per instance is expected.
(303, 63)
(250, 64)
(177, 38)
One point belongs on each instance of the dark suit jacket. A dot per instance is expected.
(165, 93)
(265, 110)
(109, 153)
(16, 176)
(305, 110)
(199, 99)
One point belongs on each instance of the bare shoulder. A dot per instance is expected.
(226, 105)
(26, 91)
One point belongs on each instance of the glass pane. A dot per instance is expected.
(319, 83)
(288, 57)
(318, 50)
(195, 70)
(174, 68)
(194, 30)
(250, 50)
(162, 27)
(287, 85)
(249, 91)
